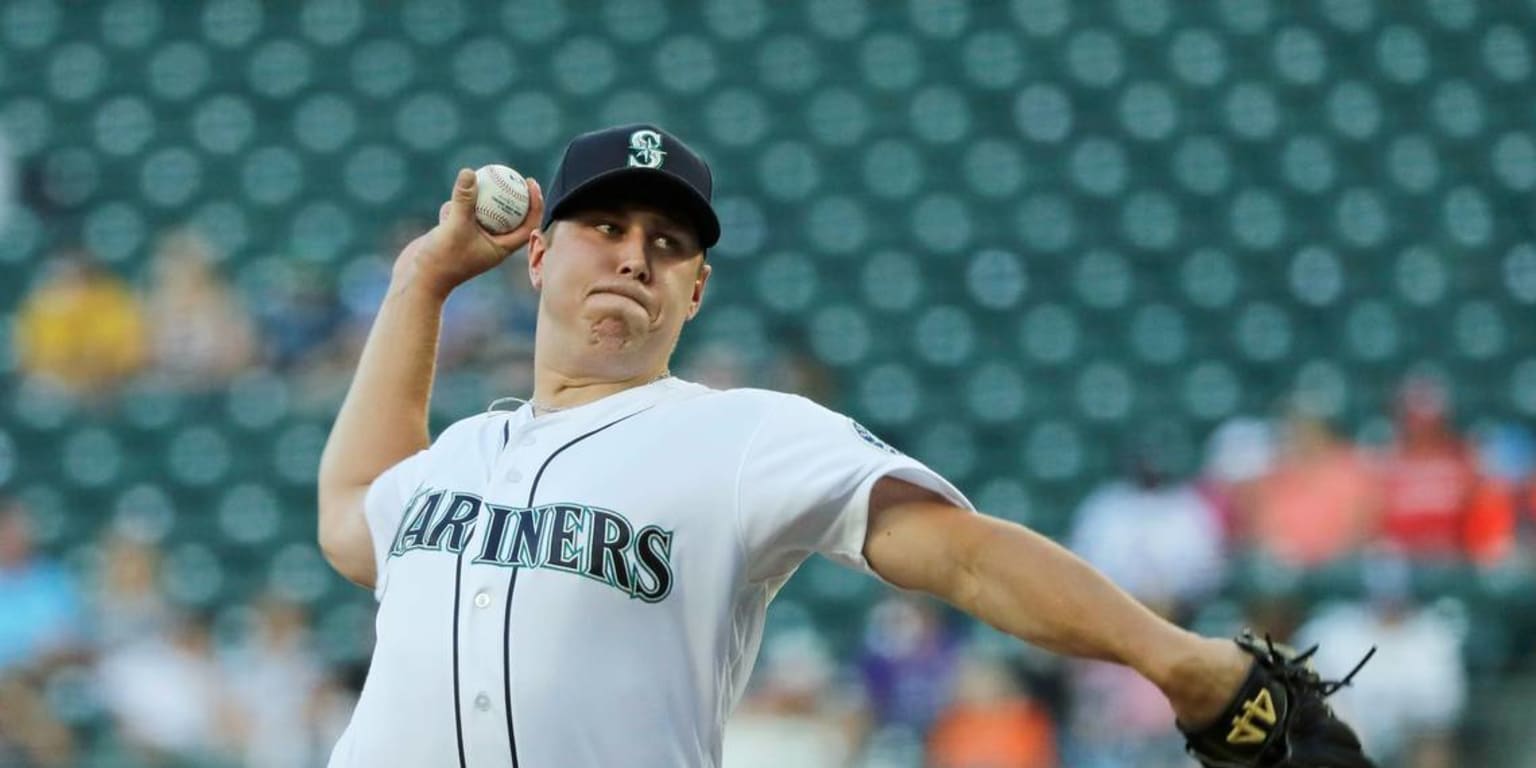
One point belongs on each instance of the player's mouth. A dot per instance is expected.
(631, 292)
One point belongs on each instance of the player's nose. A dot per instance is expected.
(633, 262)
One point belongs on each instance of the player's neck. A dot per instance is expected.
(555, 390)
(570, 371)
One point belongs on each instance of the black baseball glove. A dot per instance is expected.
(1278, 718)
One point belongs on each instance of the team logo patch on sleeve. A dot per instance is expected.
(869, 437)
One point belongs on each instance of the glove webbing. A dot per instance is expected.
(1294, 670)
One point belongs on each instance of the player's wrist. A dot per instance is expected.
(1201, 679)
(411, 279)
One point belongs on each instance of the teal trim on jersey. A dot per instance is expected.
(600, 545)
(414, 534)
(422, 490)
(452, 532)
(661, 571)
(567, 539)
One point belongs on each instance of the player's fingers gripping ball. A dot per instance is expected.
(502, 203)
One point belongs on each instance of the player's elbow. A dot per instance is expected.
(346, 558)
(342, 533)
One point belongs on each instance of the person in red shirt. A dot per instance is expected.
(1500, 507)
(1429, 478)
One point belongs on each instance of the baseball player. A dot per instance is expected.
(582, 581)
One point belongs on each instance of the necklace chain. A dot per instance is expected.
(539, 408)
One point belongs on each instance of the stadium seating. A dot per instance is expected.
(1014, 233)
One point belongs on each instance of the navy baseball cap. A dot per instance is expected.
(639, 163)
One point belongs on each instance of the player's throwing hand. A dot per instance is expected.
(458, 248)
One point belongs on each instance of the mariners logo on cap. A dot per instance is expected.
(645, 149)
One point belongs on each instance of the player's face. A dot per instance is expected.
(620, 274)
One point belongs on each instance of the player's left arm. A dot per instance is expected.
(1034, 589)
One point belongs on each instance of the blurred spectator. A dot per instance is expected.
(296, 311)
(169, 698)
(1158, 540)
(494, 324)
(41, 612)
(722, 364)
(365, 279)
(1429, 476)
(717, 365)
(908, 660)
(1407, 702)
(992, 723)
(1161, 542)
(521, 314)
(1237, 455)
(1320, 501)
(516, 312)
(7, 180)
(30, 734)
(40, 628)
(129, 604)
(331, 706)
(1119, 720)
(471, 322)
(1506, 456)
(1528, 507)
(796, 714)
(276, 677)
(790, 368)
(472, 316)
(81, 328)
(200, 332)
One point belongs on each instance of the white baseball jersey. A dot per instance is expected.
(587, 588)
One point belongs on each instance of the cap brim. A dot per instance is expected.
(653, 186)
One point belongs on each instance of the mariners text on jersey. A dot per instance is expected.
(598, 544)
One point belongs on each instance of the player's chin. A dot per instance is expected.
(619, 328)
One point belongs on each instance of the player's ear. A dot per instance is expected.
(698, 290)
(538, 245)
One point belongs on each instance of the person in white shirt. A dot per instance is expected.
(582, 581)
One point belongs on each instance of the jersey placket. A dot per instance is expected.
(485, 605)
(528, 447)
(480, 705)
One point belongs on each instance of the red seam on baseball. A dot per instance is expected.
(501, 181)
(493, 214)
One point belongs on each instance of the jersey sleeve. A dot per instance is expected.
(804, 483)
(384, 507)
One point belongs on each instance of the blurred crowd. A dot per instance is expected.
(86, 331)
(98, 660)
(101, 668)
(1280, 497)
(1292, 496)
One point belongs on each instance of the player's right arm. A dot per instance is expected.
(383, 419)
(1032, 588)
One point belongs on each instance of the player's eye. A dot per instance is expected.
(666, 242)
(605, 228)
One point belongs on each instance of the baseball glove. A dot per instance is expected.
(1278, 718)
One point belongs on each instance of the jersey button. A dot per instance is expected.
(482, 702)
(482, 600)
(514, 476)
(528, 440)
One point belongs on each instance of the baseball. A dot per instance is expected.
(503, 198)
